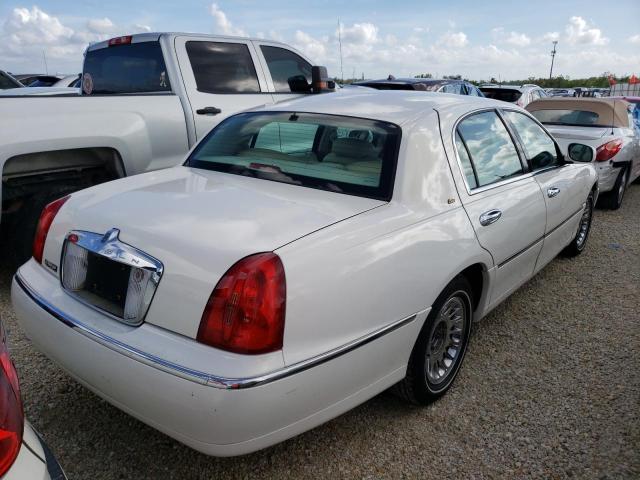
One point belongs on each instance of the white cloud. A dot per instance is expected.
(100, 25)
(313, 48)
(635, 39)
(222, 24)
(453, 39)
(550, 36)
(512, 38)
(579, 32)
(360, 34)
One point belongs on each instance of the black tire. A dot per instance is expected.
(417, 387)
(579, 242)
(613, 199)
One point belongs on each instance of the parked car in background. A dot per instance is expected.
(607, 125)
(520, 95)
(38, 80)
(460, 87)
(8, 81)
(307, 256)
(561, 92)
(39, 91)
(23, 454)
(146, 100)
(72, 81)
(635, 107)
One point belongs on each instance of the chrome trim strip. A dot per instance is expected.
(197, 376)
(501, 264)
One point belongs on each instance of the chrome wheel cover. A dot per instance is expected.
(585, 224)
(446, 340)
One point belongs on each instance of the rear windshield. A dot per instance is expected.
(504, 94)
(130, 68)
(582, 118)
(347, 155)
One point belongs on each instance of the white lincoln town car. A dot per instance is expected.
(304, 258)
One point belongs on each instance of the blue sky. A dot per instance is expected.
(475, 39)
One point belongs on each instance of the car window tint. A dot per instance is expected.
(465, 161)
(285, 67)
(539, 147)
(128, 68)
(222, 67)
(287, 137)
(453, 88)
(492, 151)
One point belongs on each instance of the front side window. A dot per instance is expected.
(122, 69)
(328, 152)
(539, 147)
(489, 144)
(221, 67)
(286, 68)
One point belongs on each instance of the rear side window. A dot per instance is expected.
(222, 67)
(583, 118)
(540, 148)
(504, 94)
(493, 153)
(130, 68)
(465, 160)
(6, 82)
(285, 67)
(346, 155)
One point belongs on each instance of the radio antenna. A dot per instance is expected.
(340, 43)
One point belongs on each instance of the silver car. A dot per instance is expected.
(521, 95)
(607, 125)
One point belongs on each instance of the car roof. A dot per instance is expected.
(395, 106)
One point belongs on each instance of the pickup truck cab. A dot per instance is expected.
(146, 100)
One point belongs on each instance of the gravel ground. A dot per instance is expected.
(550, 388)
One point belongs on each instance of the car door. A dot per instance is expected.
(502, 199)
(221, 77)
(283, 69)
(561, 184)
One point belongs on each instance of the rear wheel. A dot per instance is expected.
(579, 242)
(441, 345)
(613, 199)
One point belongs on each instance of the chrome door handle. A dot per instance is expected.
(552, 192)
(492, 216)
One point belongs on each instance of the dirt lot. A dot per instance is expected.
(550, 388)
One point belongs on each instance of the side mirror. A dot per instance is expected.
(320, 81)
(299, 84)
(578, 152)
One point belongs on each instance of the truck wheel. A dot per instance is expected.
(441, 345)
(24, 227)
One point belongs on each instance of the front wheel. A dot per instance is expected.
(579, 242)
(441, 345)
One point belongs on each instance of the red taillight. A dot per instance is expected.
(126, 40)
(608, 150)
(245, 313)
(44, 224)
(11, 415)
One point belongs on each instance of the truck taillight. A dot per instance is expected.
(246, 311)
(11, 415)
(608, 150)
(44, 224)
(125, 40)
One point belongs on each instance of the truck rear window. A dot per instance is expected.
(347, 155)
(129, 68)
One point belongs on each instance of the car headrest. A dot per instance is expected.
(352, 148)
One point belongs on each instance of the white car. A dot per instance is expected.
(306, 257)
(23, 454)
(607, 125)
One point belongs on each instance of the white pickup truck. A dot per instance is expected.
(146, 100)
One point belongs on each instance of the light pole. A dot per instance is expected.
(553, 55)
